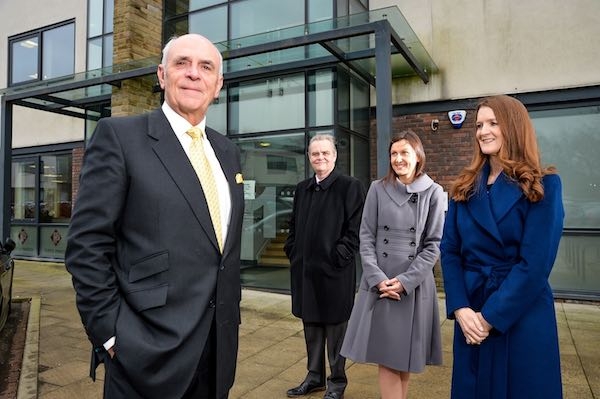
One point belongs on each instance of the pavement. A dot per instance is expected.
(272, 355)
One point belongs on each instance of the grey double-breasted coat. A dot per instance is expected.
(400, 234)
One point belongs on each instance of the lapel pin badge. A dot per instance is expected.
(238, 178)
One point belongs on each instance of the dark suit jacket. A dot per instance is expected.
(144, 257)
(322, 245)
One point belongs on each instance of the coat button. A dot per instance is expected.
(385, 254)
(412, 244)
(412, 229)
(386, 228)
(211, 303)
(385, 241)
(411, 257)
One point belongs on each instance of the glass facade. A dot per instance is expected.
(44, 54)
(41, 188)
(272, 118)
(577, 268)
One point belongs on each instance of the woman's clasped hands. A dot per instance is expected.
(474, 327)
(391, 289)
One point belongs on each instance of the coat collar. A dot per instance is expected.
(326, 182)
(489, 209)
(400, 193)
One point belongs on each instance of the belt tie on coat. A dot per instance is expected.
(489, 361)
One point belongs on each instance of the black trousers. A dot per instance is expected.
(318, 337)
(204, 383)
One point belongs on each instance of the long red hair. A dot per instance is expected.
(519, 155)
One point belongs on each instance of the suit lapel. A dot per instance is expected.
(479, 206)
(168, 149)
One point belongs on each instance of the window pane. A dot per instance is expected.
(94, 54)
(24, 62)
(210, 23)
(197, 4)
(217, 113)
(272, 165)
(25, 236)
(53, 241)
(320, 98)
(319, 10)
(109, 11)
(23, 182)
(107, 51)
(579, 168)
(359, 106)
(576, 267)
(257, 16)
(55, 191)
(95, 18)
(360, 160)
(267, 105)
(58, 56)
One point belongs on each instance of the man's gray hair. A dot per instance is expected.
(324, 136)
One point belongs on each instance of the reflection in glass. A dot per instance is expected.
(211, 23)
(576, 266)
(107, 50)
(272, 166)
(320, 98)
(58, 57)
(55, 189)
(94, 54)
(258, 16)
(24, 60)
(95, 17)
(579, 168)
(23, 181)
(267, 105)
(109, 11)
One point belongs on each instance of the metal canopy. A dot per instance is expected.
(378, 46)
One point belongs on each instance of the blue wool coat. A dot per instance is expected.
(497, 252)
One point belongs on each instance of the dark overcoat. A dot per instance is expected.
(497, 252)
(144, 256)
(322, 245)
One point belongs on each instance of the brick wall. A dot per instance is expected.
(137, 35)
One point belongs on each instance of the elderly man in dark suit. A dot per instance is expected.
(156, 267)
(321, 246)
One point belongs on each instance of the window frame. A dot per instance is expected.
(39, 34)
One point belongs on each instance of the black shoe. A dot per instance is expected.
(304, 389)
(333, 395)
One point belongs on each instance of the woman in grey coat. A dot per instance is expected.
(395, 321)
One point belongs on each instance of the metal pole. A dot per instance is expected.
(5, 161)
(383, 90)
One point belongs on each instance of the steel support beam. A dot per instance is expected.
(383, 91)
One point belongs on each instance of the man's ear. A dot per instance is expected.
(160, 73)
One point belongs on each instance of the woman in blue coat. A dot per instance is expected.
(500, 241)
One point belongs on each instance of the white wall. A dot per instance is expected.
(501, 46)
(21, 16)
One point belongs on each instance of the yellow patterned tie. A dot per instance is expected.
(207, 180)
